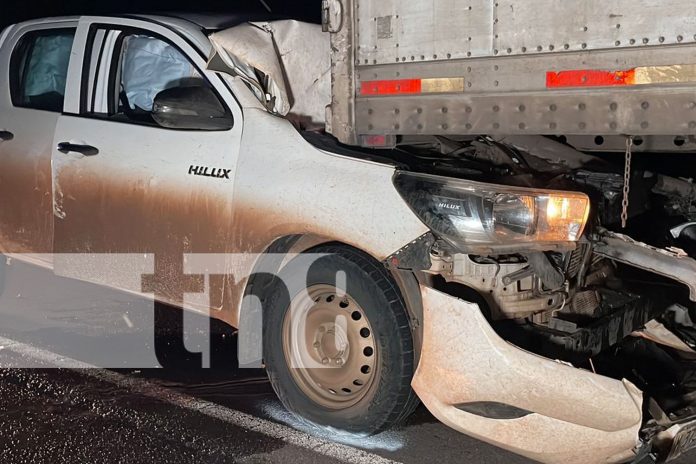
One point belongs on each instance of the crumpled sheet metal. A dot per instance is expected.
(576, 416)
(296, 56)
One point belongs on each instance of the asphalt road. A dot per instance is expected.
(172, 414)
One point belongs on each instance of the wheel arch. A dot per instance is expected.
(278, 253)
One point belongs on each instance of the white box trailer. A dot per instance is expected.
(590, 70)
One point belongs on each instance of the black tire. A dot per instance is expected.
(390, 399)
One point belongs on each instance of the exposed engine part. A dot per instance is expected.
(671, 264)
(550, 276)
(522, 297)
(623, 314)
(681, 196)
(550, 150)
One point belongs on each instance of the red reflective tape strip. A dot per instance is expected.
(391, 87)
(589, 78)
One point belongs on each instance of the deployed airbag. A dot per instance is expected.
(151, 65)
(48, 66)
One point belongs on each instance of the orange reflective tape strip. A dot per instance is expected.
(391, 87)
(589, 78)
(412, 86)
(681, 73)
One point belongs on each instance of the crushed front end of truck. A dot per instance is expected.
(549, 327)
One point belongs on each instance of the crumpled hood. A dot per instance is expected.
(295, 57)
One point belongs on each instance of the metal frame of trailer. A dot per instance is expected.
(581, 68)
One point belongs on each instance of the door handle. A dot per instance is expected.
(87, 150)
(6, 135)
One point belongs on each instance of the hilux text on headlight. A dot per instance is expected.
(473, 213)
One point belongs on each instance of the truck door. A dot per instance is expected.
(34, 61)
(124, 183)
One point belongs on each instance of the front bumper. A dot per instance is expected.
(475, 382)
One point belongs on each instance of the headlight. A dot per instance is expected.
(475, 213)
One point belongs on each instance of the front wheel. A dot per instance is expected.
(340, 355)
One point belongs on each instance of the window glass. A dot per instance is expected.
(40, 68)
(148, 66)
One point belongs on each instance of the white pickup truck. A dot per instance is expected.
(481, 275)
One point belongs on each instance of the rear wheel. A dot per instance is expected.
(339, 354)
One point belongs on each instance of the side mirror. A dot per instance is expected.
(192, 108)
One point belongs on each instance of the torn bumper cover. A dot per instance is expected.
(477, 383)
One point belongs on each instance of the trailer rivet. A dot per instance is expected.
(509, 50)
(692, 125)
(584, 45)
(449, 55)
(419, 110)
(524, 49)
(396, 111)
(495, 68)
(444, 127)
(613, 106)
(420, 126)
(496, 108)
(632, 41)
(539, 48)
(468, 53)
(644, 125)
(618, 26)
(551, 47)
(566, 46)
(369, 111)
(396, 127)
(495, 83)
(679, 38)
(468, 69)
(521, 108)
(582, 125)
(496, 125)
(552, 125)
(661, 39)
(522, 126)
(370, 127)
(617, 43)
(444, 109)
(646, 40)
(645, 105)
(467, 109)
(582, 107)
(613, 126)
(553, 107)
(468, 126)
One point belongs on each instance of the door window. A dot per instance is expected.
(148, 66)
(39, 69)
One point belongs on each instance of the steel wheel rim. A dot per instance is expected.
(330, 347)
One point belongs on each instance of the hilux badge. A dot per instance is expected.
(206, 171)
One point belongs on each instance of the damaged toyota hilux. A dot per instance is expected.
(515, 284)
